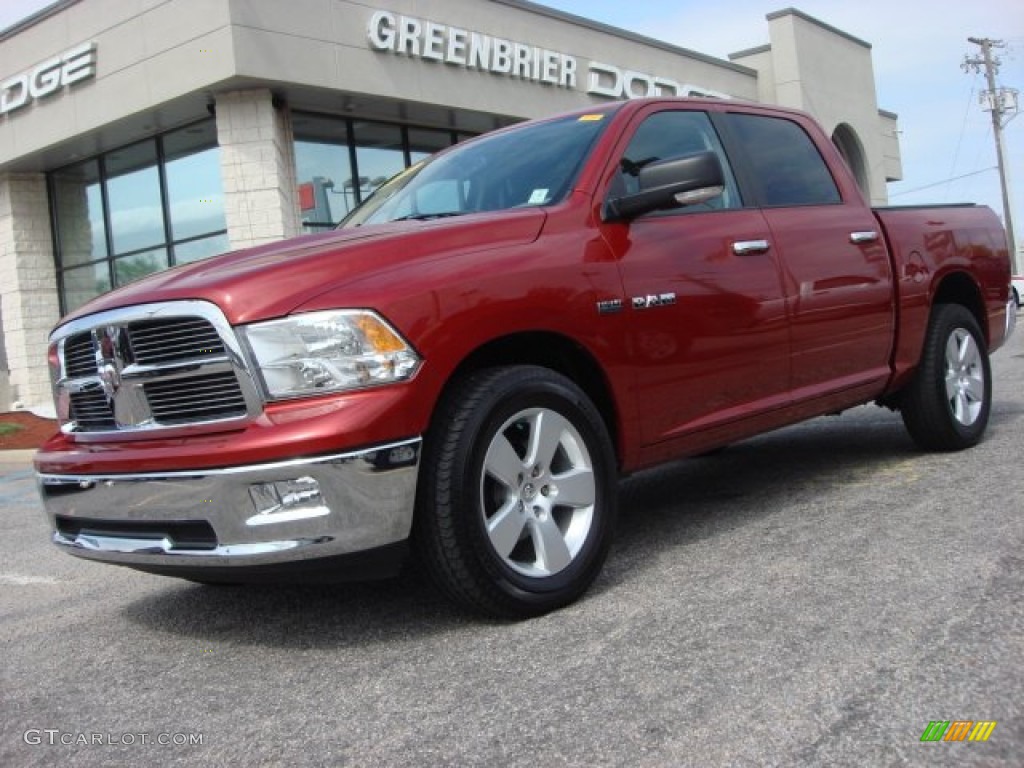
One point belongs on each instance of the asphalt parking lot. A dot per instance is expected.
(813, 597)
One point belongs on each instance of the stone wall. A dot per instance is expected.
(28, 300)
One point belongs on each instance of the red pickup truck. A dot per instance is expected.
(472, 360)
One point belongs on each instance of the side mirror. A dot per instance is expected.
(672, 183)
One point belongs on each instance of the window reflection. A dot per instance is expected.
(195, 194)
(423, 143)
(193, 250)
(130, 268)
(380, 154)
(330, 184)
(81, 230)
(115, 224)
(321, 167)
(133, 194)
(83, 283)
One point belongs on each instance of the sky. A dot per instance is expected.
(946, 140)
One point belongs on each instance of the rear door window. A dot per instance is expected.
(786, 167)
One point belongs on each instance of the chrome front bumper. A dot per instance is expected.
(239, 517)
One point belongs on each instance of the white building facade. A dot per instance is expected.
(138, 136)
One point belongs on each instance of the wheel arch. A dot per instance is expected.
(556, 352)
(960, 288)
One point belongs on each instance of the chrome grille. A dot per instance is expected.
(173, 339)
(79, 355)
(195, 398)
(152, 368)
(89, 409)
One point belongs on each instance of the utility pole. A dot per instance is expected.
(1000, 102)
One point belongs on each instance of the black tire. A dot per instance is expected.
(1016, 298)
(214, 584)
(946, 406)
(505, 533)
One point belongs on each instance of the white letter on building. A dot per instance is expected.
(613, 90)
(433, 41)
(409, 36)
(79, 63)
(521, 68)
(665, 87)
(45, 79)
(549, 68)
(9, 102)
(502, 60)
(479, 51)
(456, 47)
(568, 79)
(382, 31)
(631, 79)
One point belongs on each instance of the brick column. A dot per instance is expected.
(28, 287)
(258, 168)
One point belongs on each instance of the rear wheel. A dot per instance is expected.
(946, 407)
(517, 493)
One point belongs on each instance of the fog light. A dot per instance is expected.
(286, 500)
(404, 454)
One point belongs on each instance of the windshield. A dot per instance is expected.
(532, 165)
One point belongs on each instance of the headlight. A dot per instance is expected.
(328, 352)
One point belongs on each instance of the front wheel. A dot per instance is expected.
(517, 494)
(946, 407)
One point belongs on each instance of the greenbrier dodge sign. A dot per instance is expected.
(430, 41)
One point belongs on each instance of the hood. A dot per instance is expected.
(273, 280)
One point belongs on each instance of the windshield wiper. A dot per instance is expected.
(429, 216)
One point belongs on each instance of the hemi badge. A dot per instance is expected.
(654, 300)
(609, 306)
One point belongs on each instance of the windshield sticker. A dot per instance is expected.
(538, 196)
(591, 118)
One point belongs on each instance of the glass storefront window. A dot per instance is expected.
(83, 283)
(160, 202)
(424, 142)
(340, 162)
(116, 222)
(380, 154)
(128, 269)
(78, 200)
(322, 166)
(133, 197)
(195, 194)
(193, 250)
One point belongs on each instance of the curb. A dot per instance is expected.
(17, 457)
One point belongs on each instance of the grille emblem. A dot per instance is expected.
(111, 350)
(124, 397)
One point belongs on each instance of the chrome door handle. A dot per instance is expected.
(746, 247)
(867, 236)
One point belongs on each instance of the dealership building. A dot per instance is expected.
(135, 136)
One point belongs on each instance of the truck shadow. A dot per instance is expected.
(661, 510)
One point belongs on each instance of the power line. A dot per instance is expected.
(946, 181)
(963, 126)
